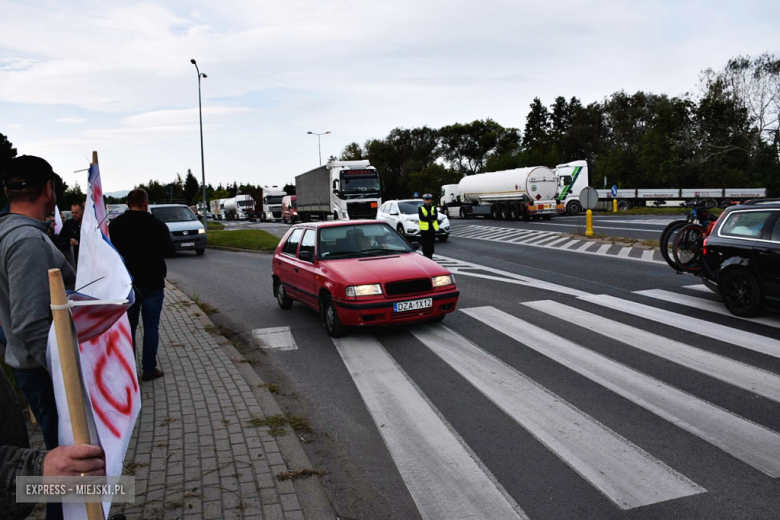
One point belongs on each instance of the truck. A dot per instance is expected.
(217, 208)
(573, 178)
(339, 190)
(240, 207)
(504, 195)
(272, 204)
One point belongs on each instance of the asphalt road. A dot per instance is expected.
(630, 226)
(555, 391)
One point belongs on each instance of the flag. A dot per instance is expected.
(105, 346)
(57, 221)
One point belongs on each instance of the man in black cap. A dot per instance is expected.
(429, 225)
(26, 255)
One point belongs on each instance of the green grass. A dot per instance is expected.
(215, 226)
(254, 239)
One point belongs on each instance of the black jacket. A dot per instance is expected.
(70, 229)
(144, 241)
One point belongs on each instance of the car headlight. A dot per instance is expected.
(201, 231)
(441, 281)
(364, 290)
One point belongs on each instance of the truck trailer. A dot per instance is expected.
(339, 190)
(573, 178)
(504, 195)
(240, 207)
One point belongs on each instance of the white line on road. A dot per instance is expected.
(623, 253)
(698, 287)
(446, 480)
(647, 255)
(749, 442)
(732, 372)
(603, 249)
(716, 331)
(622, 471)
(704, 304)
(278, 338)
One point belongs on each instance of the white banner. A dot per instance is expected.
(111, 391)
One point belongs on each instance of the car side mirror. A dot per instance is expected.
(415, 245)
(305, 256)
(336, 192)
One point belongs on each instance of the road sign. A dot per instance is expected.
(416, 194)
(589, 197)
(614, 191)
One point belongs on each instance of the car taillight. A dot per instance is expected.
(704, 247)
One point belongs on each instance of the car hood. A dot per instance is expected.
(192, 225)
(383, 269)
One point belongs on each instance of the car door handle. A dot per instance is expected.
(279, 262)
(295, 269)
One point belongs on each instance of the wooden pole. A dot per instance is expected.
(71, 373)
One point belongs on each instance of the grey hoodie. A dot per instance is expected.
(26, 255)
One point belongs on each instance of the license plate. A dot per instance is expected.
(412, 305)
(188, 244)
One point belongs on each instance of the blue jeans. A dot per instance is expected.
(38, 390)
(148, 303)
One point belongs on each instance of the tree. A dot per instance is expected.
(191, 188)
(536, 138)
(353, 152)
(7, 152)
(289, 189)
(156, 191)
(469, 146)
(71, 196)
(431, 179)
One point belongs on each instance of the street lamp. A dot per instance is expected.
(319, 148)
(202, 161)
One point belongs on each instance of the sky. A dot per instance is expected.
(116, 77)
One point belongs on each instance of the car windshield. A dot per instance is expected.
(274, 200)
(360, 240)
(246, 203)
(359, 184)
(409, 208)
(174, 214)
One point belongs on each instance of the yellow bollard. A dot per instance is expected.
(614, 205)
(589, 223)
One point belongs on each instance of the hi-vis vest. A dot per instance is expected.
(424, 223)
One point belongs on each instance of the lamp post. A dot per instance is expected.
(202, 161)
(319, 148)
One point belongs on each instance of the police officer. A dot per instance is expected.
(429, 225)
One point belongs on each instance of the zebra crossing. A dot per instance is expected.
(555, 240)
(448, 480)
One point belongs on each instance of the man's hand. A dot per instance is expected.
(70, 461)
(74, 242)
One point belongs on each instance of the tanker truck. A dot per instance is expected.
(240, 207)
(506, 195)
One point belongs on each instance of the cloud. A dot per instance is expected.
(73, 120)
(183, 116)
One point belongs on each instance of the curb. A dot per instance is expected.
(311, 495)
(238, 250)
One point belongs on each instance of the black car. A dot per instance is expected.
(741, 257)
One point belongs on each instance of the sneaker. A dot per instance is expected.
(154, 375)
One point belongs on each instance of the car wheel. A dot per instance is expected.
(200, 252)
(462, 213)
(505, 214)
(443, 238)
(624, 205)
(741, 293)
(495, 211)
(400, 230)
(330, 318)
(514, 211)
(284, 301)
(573, 208)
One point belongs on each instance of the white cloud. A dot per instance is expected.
(278, 69)
(73, 120)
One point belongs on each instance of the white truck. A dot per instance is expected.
(240, 207)
(272, 204)
(505, 195)
(573, 177)
(341, 190)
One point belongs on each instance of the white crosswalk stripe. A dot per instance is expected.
(535, 238)
(447, 479)
(439, 470)
(626, 474)
(749, 442)
(707, 305)
(748, 340)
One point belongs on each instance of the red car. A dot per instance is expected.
(359, 273)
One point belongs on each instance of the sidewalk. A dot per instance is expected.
(196, 451)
